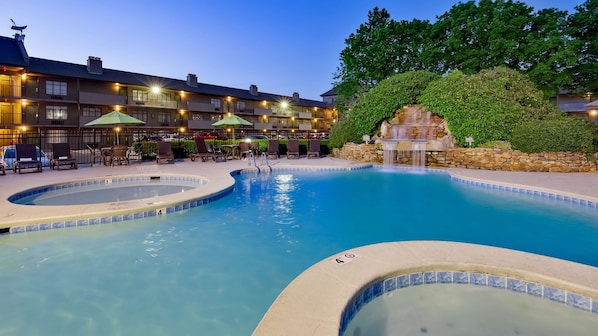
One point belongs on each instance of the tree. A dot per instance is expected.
(583, 31)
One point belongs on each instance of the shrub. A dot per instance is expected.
(486, 106)
(559, 134)
(378, 104)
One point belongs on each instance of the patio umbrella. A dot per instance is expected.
(233, 122)
(115, 118)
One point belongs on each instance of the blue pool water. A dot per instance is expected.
(217, 268)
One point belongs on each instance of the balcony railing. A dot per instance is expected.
(154, 103)
(101, 99)
(10, 91)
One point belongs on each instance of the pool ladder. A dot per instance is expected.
(263, 162)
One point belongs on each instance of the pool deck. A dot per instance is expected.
(296, 312)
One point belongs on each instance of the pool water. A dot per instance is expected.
(457, 309)
(217, 268)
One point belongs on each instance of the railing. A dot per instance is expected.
(10, 90)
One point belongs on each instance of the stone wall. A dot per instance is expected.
(484, 158)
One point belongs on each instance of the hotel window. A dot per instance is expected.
(139, 95)
(56, 112)
(164, 117)
(163, 98)
(216, 103)
(141, 115)
(55, 88)
(240, 106)
(92, 112)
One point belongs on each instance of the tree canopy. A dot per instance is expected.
(554, 49)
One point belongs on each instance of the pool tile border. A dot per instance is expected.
(528, 191)
(466, 278)
(86, 221)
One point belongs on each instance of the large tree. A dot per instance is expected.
(470, 37)
(583, 31)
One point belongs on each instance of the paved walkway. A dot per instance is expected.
(580, 185)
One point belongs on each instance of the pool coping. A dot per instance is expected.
(316, 302)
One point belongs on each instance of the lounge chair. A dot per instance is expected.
(27, 158)
(273, 148)
(293, 149)
(244, 150)
(118, 154)
(204, 153)
(165, 154)
(314, 148)
(61, 156)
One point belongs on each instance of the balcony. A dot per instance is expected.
(305, 127)
(200, 107)
(101, 99)
(154, 103)
(262, 111)
(10, 91)
(262, 126)
(200, 124)
(305, 115)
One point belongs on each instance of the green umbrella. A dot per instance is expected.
(115, 118)
(232, 121)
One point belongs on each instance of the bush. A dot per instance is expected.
(486, 106)
(560, 134)
(378, 104)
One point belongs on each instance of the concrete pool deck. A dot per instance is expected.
(313, 304)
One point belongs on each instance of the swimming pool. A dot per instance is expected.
(218, 267)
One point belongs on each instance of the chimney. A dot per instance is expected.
(192, 80)
(253, 90)
(94, 65)
(295, 97)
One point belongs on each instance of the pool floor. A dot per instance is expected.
(457, 309)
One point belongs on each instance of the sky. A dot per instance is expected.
(279, 45)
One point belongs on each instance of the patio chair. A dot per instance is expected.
(244, 150)
(255, 148)
(118, 155)
(27, 158)
(273, 148)
(293, 149)
(94, 153)
(61, 156)
(216, 153)
(204, 153)
(165, 154)
(314, 148)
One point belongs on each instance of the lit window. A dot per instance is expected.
(139, 95)
(56, 112)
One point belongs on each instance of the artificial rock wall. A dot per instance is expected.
(484, 158)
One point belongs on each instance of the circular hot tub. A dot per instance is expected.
(106, 190)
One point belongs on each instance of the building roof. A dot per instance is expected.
(14, 54)
(593, 104)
